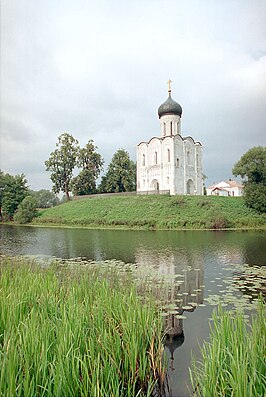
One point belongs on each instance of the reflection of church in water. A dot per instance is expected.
(184, 289)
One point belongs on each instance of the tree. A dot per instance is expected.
(62, 162)
(26, 210)
(252, 168)
(252, 165)
(91, 163)
(13, 189)
(120, 175)
(45, 198)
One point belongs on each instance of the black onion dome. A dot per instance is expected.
(169, 107)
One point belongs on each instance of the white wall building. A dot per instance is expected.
(225, 188)
(170, 163)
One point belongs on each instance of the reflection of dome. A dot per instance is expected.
(172, 343)
(169, 107)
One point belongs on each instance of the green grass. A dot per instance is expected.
(155, 212)
(234, 361)
(75, 333)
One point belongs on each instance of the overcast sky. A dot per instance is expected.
(99, 69)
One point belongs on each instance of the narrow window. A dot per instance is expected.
(164, 129)
(168, 155)
(188, 157)
(167, 180)
(143, 159)
(197, 160)
(171, 128)
(155, 158)
(177, 162)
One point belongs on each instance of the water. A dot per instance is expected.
(202, 262)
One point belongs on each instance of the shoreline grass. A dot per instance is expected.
(75, 333)
(233, 362)
(155, 212)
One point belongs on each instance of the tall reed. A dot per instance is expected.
(233, 362)
(72, 333)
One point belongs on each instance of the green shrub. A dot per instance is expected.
(26, 210)
(255, 196)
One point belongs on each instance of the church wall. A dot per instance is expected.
(199, 168)
(168, 164)
(142, 166)
(179, 165)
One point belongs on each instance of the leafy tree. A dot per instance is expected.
(13, 189)
(252, 168)
(120, 175)
(91, 163)
(252, 165)
(62, 162)
(45, 198)
(26, 210)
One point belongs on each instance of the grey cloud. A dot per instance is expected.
(98, 70)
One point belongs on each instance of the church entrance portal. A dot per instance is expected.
(190, 187)
(155, 185)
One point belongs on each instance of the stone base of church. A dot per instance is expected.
(143, 192)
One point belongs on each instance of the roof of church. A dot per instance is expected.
(178, 136)
(169, 107)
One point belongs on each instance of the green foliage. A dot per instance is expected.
(255, 196)
(26, 210)
(120, 175)
(155, 212)
(252, 167)
(13, 189)
(75, 332)
(62, 162)
(233, 362)
(91, 163)
(44, 198)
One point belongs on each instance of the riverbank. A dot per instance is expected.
(71, 331)
(154, 212)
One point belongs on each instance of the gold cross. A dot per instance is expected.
(169, 85)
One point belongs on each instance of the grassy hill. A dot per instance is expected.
(154, 212)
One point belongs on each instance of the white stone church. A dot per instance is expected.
(170, 163)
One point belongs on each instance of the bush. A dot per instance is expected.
(26, 210)
(255, 196)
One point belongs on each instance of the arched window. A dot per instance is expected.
(155, 158)
(171, 128)
(143, 159)
(168, 155)
(177, 162)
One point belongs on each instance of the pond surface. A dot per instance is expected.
(201, 265)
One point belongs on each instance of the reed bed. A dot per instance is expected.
(75, 333)
(233, 362)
